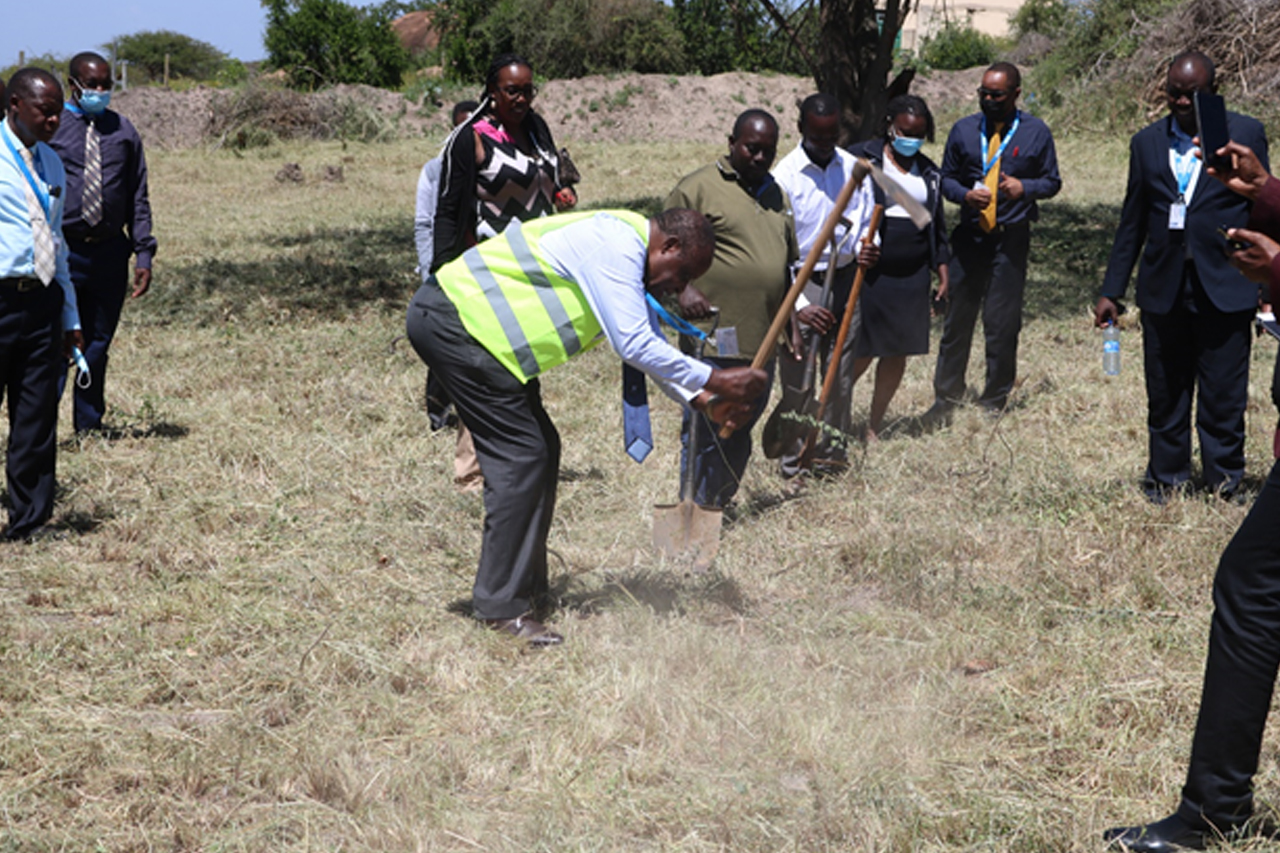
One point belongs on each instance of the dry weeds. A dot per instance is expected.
(978, 639)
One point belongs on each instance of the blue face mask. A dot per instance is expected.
(907, 146)
(94, 102)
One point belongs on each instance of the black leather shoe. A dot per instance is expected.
(1164, 836)
(532, 631)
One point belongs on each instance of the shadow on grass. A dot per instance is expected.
(663, 592)
(1069, 250)
(324, 274)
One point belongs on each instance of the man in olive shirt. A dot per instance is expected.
(755, 244)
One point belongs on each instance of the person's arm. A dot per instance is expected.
(425, 214)
(457, 189)
(62, 270)
(1131, 234)
(1046, 182)
(953, 187)
(144, 244)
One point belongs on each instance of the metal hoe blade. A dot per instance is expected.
(894, 192)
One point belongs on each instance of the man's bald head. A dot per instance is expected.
(35, 105)
(28, 83)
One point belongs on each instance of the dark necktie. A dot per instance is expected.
(91, 203)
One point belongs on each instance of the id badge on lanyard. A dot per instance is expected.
(1178, 215)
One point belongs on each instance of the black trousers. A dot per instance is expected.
(30, 361)
(1196, 351)
(1240, 674)
(516, 444)
(988, 273)
(100, 272)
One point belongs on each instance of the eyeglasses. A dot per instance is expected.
(1176, 92)
(993, 94)
(530, 92)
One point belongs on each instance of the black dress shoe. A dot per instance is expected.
(1165, 836)
(537, 635)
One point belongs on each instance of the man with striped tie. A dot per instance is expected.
(39, 324)
(108, 218)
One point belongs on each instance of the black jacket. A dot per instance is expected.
(455, 224)
(940, 249)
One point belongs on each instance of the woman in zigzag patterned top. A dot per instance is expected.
(500, 165)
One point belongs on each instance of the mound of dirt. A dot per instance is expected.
(599, 108)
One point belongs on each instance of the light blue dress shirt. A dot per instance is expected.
(17, 243)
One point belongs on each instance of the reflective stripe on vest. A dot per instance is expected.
(516, 306)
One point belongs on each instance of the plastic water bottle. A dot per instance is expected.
(1111, 349)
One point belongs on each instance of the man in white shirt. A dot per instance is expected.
(813, 175)
(39, 323)
(572, 280)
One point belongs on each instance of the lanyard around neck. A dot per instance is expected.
(1004, 143)
(41, 195)
(684, 327)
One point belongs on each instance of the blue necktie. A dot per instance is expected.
(635, 413)
(636, 431)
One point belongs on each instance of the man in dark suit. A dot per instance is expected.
(997, 165)
(1196, 309)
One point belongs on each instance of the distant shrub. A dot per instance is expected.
(955, 47)
(326, 42)
(189, 58)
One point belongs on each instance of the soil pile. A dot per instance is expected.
(616, 108)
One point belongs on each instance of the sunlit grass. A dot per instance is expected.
(979, 639)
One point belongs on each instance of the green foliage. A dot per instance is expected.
(189, 58)
(1047, 17)
(1088, 38)
(955, 47)
(323, 42)
(561, 38)
(720, 36)
(570, 38)
(48, 61)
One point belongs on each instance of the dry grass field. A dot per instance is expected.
(979, 639)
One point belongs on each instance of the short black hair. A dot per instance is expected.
(4, 100)
(464, 108)
(691, 228)
(751, 115)
(911, 105)
(1010, 71)
(821, 104)
(24, 81)
(1201, 59)
(84, 58)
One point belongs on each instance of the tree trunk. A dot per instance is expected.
(854, 59)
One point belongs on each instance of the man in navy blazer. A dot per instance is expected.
(1196, 308)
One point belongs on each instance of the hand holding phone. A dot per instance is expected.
(1211, 122)
(1233, 245)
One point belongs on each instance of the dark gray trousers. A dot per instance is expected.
(516, 444)
(988, 273)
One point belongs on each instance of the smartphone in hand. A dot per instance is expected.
(1211, 124)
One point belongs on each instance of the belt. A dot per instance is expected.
(22, 285)
(89, 238)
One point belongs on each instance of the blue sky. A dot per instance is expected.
(65, 27)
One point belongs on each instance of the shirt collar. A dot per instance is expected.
(729, 173)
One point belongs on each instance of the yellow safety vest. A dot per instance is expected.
(514, 304)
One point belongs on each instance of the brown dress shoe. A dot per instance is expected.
(538, 636)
